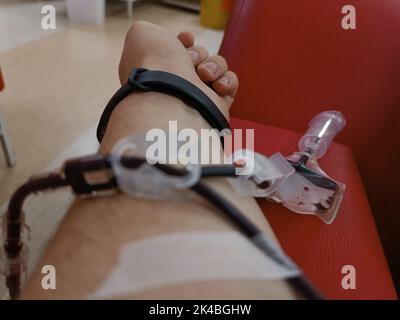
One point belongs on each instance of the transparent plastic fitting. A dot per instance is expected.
(310, 190)
(148, 179)
(259, 176)
(322, 130)
(302, 195)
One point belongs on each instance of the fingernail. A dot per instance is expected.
(211, 66)
(194, 54)
(225, 81)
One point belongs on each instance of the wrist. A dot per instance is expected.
(142, 111)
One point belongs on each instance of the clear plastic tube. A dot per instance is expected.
(322, 130)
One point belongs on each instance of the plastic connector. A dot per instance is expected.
(322, 130)
(259, 176)
(149, 178)
(310, 190)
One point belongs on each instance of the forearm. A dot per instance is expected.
(86, 247)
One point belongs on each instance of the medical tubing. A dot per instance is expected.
(218, 171)
(303, 285)
(300, 283)
(206, 171)
(14, 218)
(244, 224)
(13, 245)
(13, 242)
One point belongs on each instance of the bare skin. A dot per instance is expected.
(86, 246)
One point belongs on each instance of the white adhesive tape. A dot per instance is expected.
(188, 257)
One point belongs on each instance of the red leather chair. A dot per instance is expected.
(1, 81)
(294, 60)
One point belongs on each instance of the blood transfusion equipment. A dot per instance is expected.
(310, 190)
(297, 182)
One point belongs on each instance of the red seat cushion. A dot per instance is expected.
(294, 60)
(322, 250)
(1, 81)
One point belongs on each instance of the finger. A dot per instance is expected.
(198, 54)
(212, 68)
(186, 38)
(227, 85)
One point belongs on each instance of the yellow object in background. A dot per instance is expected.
(215, 13)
